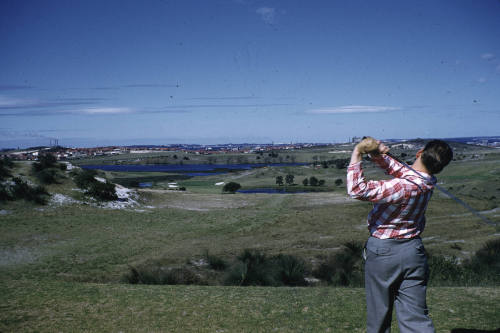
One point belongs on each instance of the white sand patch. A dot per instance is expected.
(61, 199)
(69, 166)
(126, 198)
(99, 179)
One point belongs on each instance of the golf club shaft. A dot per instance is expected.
(472, 210)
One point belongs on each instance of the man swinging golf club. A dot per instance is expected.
(396, 270)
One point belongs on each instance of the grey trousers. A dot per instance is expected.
(396, 274)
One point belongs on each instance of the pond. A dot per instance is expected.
(188, 169)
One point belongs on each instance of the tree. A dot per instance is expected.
(5, 165)
(45, 161)
(338, 182)
(305, 182)
(231, 187)
(103, 191)
(313, 181)
(321, 182)
(289, 179)
(341, 163)
(279, 180)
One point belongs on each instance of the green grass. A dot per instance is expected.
(47, 306)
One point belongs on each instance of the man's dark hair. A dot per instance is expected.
(436, 155)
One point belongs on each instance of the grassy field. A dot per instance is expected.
(62, 265)
(48, 306)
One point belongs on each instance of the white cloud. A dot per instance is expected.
(8, 102)
(267, 14)
(487, 56)
(353, 109)
(104, 110)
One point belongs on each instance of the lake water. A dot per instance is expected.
(188, 169)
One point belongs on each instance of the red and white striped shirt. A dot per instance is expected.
(400, 203)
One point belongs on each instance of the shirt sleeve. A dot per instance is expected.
(389, 164)
(382, 191)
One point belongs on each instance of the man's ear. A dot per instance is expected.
(419, 153)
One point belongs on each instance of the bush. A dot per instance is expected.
(231, 187)
(161, 275)
(44, 162)
(482, 269)
(85, 178)
(21, 190)
(341, 163)
(291, 270)
(103, 191)
(344, 268)
(5, 194)
(444, 271)
(215, 262)
(254, 268)
(5, 165)
(48, 176)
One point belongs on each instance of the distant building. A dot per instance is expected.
(356, 139)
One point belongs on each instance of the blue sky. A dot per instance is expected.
(92, 73)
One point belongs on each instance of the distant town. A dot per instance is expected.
(65, 153)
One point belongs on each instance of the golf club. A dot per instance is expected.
(472, 210)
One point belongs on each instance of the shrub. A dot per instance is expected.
(345, 268)
(482, 269)
(231, 187)
(85, 178)
(48, 176)
(254, 268)
(338, 181)
(44, 162)
(21, 190)
(161, 275)
(215, 262)
(444, 270)
(5, 165)
(486, 263)
(341, 163)
(5, 193)
(103, 191)
(291, 270)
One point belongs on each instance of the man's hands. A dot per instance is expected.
(368, 146)
(371, 146)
